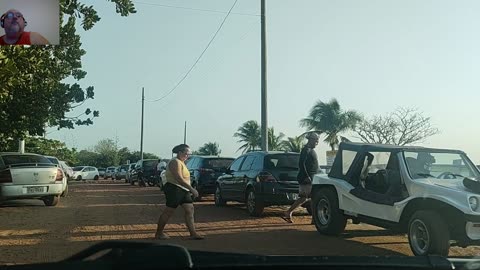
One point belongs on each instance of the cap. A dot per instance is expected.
(312, 136)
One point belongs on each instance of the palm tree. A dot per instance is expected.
(249, 135)
(328, 118)
(209, 149)
(275, 142)
(293, 144)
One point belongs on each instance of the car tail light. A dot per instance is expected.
(59, 175)
(6, 176)
(266, 177)
(205, 171)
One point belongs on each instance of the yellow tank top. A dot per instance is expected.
(184, 171)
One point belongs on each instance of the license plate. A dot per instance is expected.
(292, 196)
(36, 189)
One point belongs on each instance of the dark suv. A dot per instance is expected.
(144, 172)
(260, 179)
(204, 171)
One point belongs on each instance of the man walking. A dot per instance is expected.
(308, 166)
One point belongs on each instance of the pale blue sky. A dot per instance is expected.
(373, 56)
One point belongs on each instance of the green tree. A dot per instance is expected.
(89, 158)
(108, 152)
(275, 142)
(45, 147)
(209, 149)
(249, 135)
(34, 90)
(331, 120)
(293, 144)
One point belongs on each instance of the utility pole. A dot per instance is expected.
(141, 135)
(264, 124)
(185, 134)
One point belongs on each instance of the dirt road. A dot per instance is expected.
(31, 232)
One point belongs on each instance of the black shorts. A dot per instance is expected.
(176, 196)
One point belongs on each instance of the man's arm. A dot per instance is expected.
(37, 39)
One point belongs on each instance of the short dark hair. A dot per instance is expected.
(180, 148)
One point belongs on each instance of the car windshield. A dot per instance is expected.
(217, 163)
(442, 165)
(78, 168)
(282, 161)
(24, 159)
(53, 160)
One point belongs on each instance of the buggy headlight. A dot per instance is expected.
(473, 201)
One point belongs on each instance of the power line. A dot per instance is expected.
(196, 9)
(198, 59)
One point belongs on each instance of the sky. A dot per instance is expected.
(372, 56)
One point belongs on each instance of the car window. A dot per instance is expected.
(247, 164)
(78, 168)
(24, 159)
(347, 160)
(217, 163)
(236, 164)
(379, 161)
(192, 163)
(257, 164)
(282, 161)
(53, 160)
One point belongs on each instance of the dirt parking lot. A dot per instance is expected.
(107, 210)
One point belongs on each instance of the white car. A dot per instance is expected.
(85, 173)
(67, 169)
(30, 176)
(432, 195)
(57, 162)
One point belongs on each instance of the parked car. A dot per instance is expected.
(110, 172)
(144, 172)
(432, 195)
(121, 172)
(101, 172)
(85, 173)
(204, 171)
(30, 176)
(57, 162)
(260, 179)
(67, 169)
(131, 167)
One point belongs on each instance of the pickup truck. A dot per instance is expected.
(432, 195)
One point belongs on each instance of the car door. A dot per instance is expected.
(227, 180)
(89, 173)
(372, 200)
(242, 177)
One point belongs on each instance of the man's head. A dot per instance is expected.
(312, 138)
(13, 22)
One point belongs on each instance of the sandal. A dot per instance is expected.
(287, 219)
(161, 237)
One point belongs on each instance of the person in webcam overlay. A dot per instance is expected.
(14, 24)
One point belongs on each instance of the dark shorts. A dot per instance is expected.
(176, 196)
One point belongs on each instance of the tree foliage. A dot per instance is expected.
(249, 134)
(34, 92)
(47, 147)
(404, 126)
(209, 149)
(329, 119)
(293, 144)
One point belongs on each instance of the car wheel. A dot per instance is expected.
(327, 216)
(65, 192)
(219, 201)
(96, 177)
(51, 200)
(254, 205)
(79, 178)
(428, 234)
